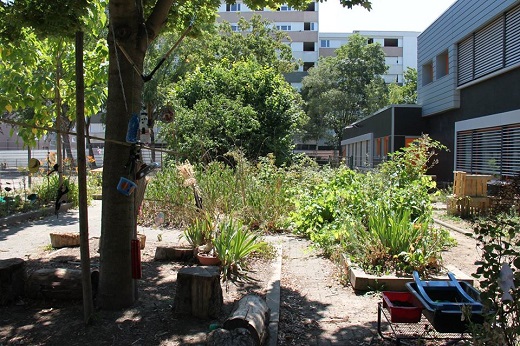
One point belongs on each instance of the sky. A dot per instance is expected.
(386, 15)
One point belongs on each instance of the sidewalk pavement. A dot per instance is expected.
(25, 237)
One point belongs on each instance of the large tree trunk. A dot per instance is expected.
(116, 286)
(117, 289)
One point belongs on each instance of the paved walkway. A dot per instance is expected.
(20, 239)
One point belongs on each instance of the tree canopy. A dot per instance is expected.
(344, 88)
(225, 105)
(37, 69)
(406, 93)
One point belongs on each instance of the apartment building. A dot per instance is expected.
(400, 49)
(301, 26)
(308, 43)
(468, 90)
(469, 86)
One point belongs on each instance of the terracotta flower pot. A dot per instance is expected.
(207, 259)
(142, 240)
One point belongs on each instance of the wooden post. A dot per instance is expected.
(88, 303)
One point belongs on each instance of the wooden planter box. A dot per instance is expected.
(470, 184)
(467, 206)
(362, 281)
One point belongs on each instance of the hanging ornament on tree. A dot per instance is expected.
(144, 130)
(133, 128)
(167, 115)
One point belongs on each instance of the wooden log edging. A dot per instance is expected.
(252, 313)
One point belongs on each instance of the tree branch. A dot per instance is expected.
(157, 18)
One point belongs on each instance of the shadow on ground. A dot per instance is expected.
(151, 321)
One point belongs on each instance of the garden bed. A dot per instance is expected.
(362, 281)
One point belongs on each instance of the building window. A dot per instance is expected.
(308, 47)
(391, 42)
(307, 65)
(311, 7)
(309, 26)
(284, 27)
(378, 147)
(233, 7)
(386, 145)
(235, 28)
(370, 41)
(427, 73)
(442, 65)
(284, 8)
(493, 150)
(325, 43)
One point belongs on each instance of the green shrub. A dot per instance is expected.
(389, 210)
(499, 240)
(255, 194)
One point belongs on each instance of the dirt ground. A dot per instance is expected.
(317, 307)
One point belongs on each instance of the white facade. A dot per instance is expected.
(400, 49)
(301, 26)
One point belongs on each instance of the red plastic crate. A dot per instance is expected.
(403, 307)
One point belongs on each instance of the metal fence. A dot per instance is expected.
(17, 159)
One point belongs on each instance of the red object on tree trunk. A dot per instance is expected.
(136, 259)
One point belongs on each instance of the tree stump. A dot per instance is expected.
(198, 292)
(12, 279)
(252, 313)
(173, 253)
(59, 283)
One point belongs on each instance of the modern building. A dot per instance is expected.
(301, 26)
(468, 90)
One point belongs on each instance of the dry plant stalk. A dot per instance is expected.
(186, 171)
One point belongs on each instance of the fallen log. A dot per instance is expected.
(58, 283)
(252, 313)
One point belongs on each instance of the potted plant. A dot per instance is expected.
(233, 243)
(199, 234)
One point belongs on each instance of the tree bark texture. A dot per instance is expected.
(198, 292)
(125, 85)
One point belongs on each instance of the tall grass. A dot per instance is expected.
(255, 194)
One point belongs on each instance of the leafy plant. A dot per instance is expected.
(200, 231)
(233, 244)
(381, 219)
(499, 239)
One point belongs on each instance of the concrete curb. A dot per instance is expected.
(454, 228)
(47, 211)
(273, 297)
